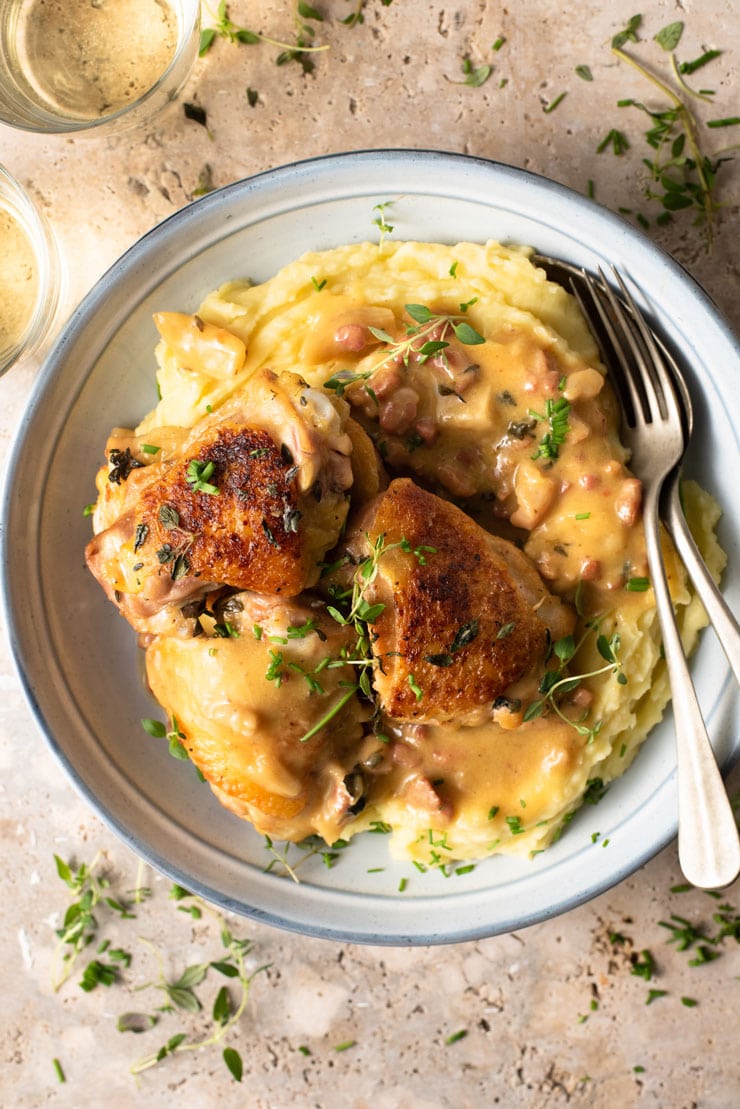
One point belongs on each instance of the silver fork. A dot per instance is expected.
(720, 615)
(717, 609)
(655, 431)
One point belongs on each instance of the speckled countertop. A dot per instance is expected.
(556, 1013)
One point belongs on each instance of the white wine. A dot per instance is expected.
(19, 282)
(30, 274)
(70, 64)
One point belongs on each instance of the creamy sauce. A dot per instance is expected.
(520, 429)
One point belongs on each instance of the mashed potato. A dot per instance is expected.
(457, 380)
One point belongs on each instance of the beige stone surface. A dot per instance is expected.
(552, 1015)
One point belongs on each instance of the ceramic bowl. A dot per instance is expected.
(78, 659)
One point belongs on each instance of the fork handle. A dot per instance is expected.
(708, 839)
(717, 609)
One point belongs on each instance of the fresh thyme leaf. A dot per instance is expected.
(64, 870)
(176, 749)
(467, 334)
(419, 312)
(584, 72)
(192, 976)
(439, 660)
(629, 34)
(233, 1061)
(533, 710)
(307, 11)
(136, 1022)
(207, 37)
(195, 113)
(565, 648)
(340, 380)
(474, 77)
(464, 635)
(183, 998)
(554, 683)
(252, 97)
(154, 728)
(178, 893)
(669, 36)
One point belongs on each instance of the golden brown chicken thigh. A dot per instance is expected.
(251, 497)
(466, 615)
(249, 707)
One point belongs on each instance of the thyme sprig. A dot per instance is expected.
(299, 51)
(352, 609)
(381, 222)
(310, 848)
(556, 683)
(80, 925)
(180, 992)
(682, 175)
(81, 928)
(174, 736)
(427, 337)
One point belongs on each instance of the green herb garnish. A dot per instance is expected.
(197, 476)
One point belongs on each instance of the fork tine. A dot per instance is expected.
(639, 366)
(623, 381)
(653, 365)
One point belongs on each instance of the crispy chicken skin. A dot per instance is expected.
(466, 614)
(271, 498)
